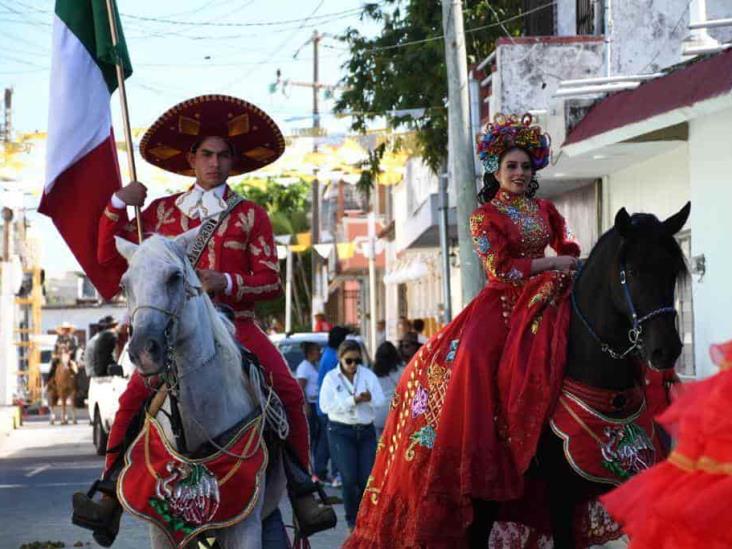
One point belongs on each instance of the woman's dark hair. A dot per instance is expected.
(307, 346)
(348, 346)
(491, 184)
(386, 360)
(337, 335)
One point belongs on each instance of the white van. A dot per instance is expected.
(103, 399)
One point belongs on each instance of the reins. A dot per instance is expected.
(635, 334)
(271, 410)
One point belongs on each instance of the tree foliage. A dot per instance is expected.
(287, 205)
(386, 73)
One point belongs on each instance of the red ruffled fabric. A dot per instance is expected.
(684, 501)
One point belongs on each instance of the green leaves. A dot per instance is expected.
(403, 67)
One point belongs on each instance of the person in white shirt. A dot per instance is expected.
(349, 396)
(307, 377)
(388, 367)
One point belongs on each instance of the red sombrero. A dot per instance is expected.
(256, 139)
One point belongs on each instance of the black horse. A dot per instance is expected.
(623, 314)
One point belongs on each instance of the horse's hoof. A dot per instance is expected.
(64, 422)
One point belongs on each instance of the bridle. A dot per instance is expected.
(635, 334)
(168, 367)
(271, 413)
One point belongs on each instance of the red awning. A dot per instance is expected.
(698, 80)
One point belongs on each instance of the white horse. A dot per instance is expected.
(168, 309)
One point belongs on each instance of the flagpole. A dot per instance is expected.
(132, 170)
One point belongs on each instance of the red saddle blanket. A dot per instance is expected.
(185, 497)
(606, 449)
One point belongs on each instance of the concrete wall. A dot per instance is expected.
(720, 9)
(647, 34)
(659, 185)
(528, 70)
(711, 194)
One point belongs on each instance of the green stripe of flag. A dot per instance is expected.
(88, 20)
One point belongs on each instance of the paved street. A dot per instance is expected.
(41, 466)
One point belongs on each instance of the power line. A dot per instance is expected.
(467, 31)
(349, 12)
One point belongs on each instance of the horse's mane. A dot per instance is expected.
(223, 329)
(646, 224)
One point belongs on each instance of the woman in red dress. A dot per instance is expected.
(470, 407)
(684, 501)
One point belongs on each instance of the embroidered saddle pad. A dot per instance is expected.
(185, 497)
(604, 449)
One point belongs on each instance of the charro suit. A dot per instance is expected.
(243, 248)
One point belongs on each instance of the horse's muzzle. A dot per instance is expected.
(147, 353)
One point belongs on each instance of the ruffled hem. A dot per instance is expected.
(683, 502)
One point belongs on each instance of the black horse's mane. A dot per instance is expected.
(649, 228)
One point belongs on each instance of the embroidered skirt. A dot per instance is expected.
(467, 415)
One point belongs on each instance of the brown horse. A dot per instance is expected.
(62, 386)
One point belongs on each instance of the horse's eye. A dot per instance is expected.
(175, 277)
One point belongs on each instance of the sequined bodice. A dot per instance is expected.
(528, 218)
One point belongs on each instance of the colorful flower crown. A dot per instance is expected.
(508, 131)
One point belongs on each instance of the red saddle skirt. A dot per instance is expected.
(185, 497)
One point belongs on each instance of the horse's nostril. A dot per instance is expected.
(152, 347)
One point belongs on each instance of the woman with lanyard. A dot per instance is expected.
(349, 396)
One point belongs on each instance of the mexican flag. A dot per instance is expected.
(82, 171)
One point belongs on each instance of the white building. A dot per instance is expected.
(635, 123)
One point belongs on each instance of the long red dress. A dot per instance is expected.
(470, 407)
(685, 500)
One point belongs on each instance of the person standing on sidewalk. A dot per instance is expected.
(307, 377)
(328, 362)
(349, 396)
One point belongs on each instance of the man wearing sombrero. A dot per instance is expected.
(210, 138)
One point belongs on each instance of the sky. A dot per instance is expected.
(179, 50)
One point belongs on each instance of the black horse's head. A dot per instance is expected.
(649, 263)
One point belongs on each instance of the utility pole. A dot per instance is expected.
(461, 165)
(8, 115)
(372, 280)
(315, 264)
(445, 247)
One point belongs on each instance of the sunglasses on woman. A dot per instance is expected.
(352, 361)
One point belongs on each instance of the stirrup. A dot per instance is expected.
(102, 520)
(312, 514)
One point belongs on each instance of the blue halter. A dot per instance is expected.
(635, 333)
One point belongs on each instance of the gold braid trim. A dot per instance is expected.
(704, 464)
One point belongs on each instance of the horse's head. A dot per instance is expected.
(650, 262)
(158, 284)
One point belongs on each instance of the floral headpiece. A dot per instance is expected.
(508, 131)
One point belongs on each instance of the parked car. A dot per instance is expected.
(290, 346)
(103, 398)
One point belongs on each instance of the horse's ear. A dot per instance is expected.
(186, 239)
(126, 248)
(677, 221)
(623, 224)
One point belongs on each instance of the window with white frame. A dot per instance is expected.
(685, 319)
